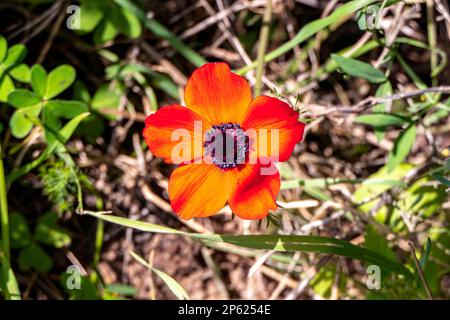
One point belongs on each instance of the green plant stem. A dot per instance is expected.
(377, 20)
(262, 46)
(98, 242)
(420, 271)
(6, 261)
(431, 27)
(309, 30)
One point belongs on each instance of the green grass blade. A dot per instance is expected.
(171, 283)
(62, 137)
(281, 243)
(8, 281)
(162, 32)
(326, 182)
(359, 69)
(311, 29)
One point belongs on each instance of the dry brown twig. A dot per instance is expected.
(54, 31)
(372, 101)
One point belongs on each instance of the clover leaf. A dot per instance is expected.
(47, 232)
(11, 66)
(106, 27)
(34, 256)
(29, 104)
(105, 98)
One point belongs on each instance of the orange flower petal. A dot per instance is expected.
(175, 133)
(273, 129)
(256, 192)
(199, 190)
(218, 94)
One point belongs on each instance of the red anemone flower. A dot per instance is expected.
(219, 105)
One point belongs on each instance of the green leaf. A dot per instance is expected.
(377, 243)
(381, 120)
(327, 182)
(22, 98)
(133, 28)
(81, 92)
(340, 14)
(366, 18)
(282, 243)
(59, 79)
(121, 289)
(163, 82)
(441, 179)
(48, 232)
(414, 77)
(106, 31)
(108, 55)
(161, 31)
(21, 73)
(106, 97)
(19, 230)
(52, 125)
(91, 128)
(10, 284)
(127, 22)
(369, 190)
(68, 129)
(90, 16)
(421, 199)
(359, 69)
(387, 182)
(317, 193)
(436, 116)
(87, 290)
(20, 124)
(426, 254)
(15, 55)
(323, 281)
(402, 146)
(66, 109)
(384, 90)
(441, 242)
(171, 283)
(3, 48)
(33, 256)
(65, 134)
(361, 19)
(39, 79)
(6, 87)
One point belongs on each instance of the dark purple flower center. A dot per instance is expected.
(227, 145)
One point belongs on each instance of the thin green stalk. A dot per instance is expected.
(377, 20)
(311, 29)
(431, 27)
(262, 46)
(98, 242)
(420, 272)
(6, 259)
(415, 78)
